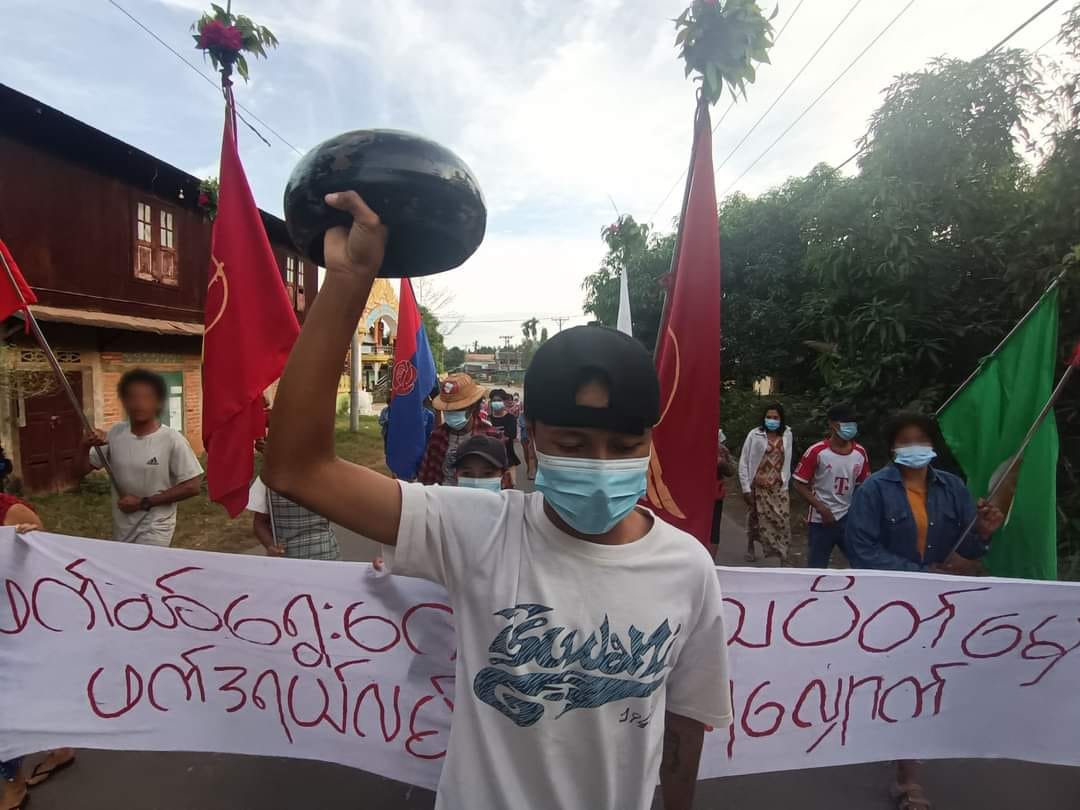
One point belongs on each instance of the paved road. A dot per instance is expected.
(106, 780)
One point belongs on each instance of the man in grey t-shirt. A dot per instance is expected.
(154, 465)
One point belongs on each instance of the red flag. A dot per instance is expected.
(1075, 361)
(250, 329)
(682, 472)
(10, 300)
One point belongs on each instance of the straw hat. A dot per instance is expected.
(457, 392)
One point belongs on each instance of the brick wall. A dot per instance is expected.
(114, 364)
(193, 408)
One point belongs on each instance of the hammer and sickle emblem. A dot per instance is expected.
(658, 492)
(219, 275)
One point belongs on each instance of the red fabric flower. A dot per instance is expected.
(218, 36)
(204, 199)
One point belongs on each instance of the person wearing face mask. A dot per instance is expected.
(505, 425)
(826, 478)
(535, 724)
(764, 473)
(482, 464)
(908, 516)
(459, 401)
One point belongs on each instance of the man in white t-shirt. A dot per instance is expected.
(591, 645)
(154, 465)
(826, 477)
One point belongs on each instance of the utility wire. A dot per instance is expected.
(794, 79)
(1012, 34)
(821, 95)
(730, 107)
(216, 85)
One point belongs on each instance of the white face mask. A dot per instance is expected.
(492, 484)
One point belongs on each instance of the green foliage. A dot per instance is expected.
(435, 338)
(454, 357)
(722, 41)
(885, 289)
(647, 259)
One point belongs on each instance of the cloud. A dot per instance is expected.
(557, 106)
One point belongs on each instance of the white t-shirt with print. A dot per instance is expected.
(145, 466)
(569, 652)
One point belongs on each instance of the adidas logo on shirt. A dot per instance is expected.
(153, 462)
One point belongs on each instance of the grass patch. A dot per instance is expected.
(200, 523)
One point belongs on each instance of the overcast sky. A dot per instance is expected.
(561, 108)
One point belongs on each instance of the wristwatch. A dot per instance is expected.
(145, 505)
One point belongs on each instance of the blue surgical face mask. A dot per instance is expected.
(772, 424)
(456, 419)
(915, 456)
(497, 406)
(847, 430)
(493, 484)
(591, 494)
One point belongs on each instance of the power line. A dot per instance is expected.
(1012, 34)
(730, 107)
(205, 78)
(1021, 27)
(821, 95)
(794, 79)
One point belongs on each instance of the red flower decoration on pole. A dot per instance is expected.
(226, 37)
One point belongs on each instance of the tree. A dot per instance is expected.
(886, 288)
(438, 298)
(543, 335)
(434, 336)
(646, 257)
(454, 357)
(528, 328)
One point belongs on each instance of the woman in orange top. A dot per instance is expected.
(15, 784)
(908, 516)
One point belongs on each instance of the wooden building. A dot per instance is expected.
(116, 248)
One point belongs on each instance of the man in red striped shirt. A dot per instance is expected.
(826, 477)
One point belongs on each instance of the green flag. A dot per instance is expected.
(984, 426)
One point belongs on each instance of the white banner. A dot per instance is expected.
(108, 645)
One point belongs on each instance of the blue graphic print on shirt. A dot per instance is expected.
(578, 675)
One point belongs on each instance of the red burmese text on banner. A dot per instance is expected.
(250, 329)
(682, 473)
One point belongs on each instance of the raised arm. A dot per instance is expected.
(301, 462)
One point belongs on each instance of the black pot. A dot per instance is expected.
(424, 193)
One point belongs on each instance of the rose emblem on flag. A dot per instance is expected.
(404, 378)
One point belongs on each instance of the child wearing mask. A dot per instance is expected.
(481, 464)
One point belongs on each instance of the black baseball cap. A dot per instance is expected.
(841, 413)
(574, 357)
(487, 447)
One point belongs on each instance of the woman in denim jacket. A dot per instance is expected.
(907, 517)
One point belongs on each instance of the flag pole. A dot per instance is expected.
(702, 109)
(35, 330)
(1024, 319)
(1019, 454)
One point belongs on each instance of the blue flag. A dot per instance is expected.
(412, 380)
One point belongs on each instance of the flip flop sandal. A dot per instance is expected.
(41, 773)
(910, 797)
(22, 804)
